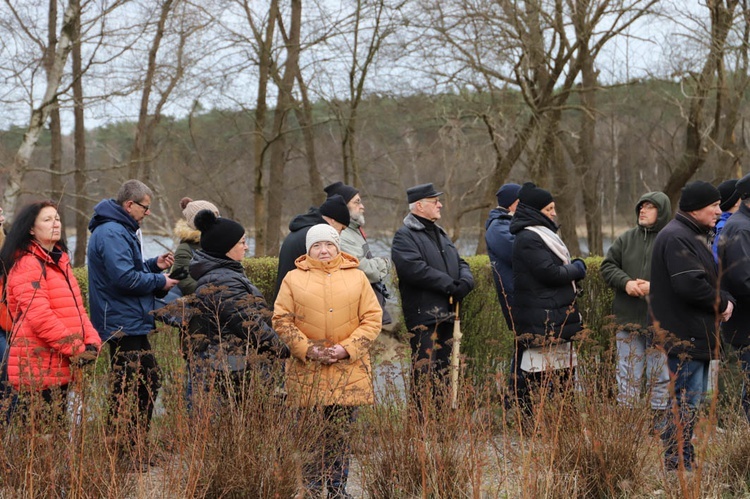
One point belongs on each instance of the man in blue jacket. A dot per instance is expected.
(121, 297)
(500, 246)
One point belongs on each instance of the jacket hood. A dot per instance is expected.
(663, 208)
(526, 216)
(498, 213)
(203, 263)
(183, 232)
(341, 261)
(312, 217)
(109, 211)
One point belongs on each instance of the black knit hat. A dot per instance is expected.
(507, 195)
(729, 194)
(743, 186)
(697, 195)
(218, 235)
(345, 191)
(335, 208)
(534, 196)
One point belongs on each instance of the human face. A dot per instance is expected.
(549, 211)
(356, 209)
(139, 209)
(429, 208)
(647, 214)
(47, 228)
(237, 253)
(323, 251)
(707, 216)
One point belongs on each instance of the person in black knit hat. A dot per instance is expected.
(730, 203)
(333, 211)
(686, 304)
(232, 322)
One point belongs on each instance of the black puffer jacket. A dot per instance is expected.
(428, 273)
(293, 246)
(231, 313)
(545, 298)
(684, 282)
(734, 255)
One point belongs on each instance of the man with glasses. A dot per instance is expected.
(432, 278)
(354, 242)
(121, 296)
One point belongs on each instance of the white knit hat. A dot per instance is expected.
(191, 208)
(322, 232)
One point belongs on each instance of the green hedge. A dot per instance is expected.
(487, 342)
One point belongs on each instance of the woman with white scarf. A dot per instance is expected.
(546, 315)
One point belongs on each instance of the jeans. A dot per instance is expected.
(8, 397)
(690, 383)
(634, 356)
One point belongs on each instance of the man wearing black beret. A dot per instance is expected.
(685, 307)
(734, 265)
(430, 273)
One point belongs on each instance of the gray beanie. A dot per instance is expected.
(191, 208)
(322, 232)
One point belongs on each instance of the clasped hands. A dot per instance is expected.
(638, 287)
(327, 355)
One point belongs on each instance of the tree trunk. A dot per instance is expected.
(79, 141)
(55, 129)
(40, 114)
(278, 145)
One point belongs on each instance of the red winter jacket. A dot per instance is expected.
(50, 324)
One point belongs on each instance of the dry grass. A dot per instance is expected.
(580, 443)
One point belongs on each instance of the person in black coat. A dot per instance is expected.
(545, 288)
(232, 322)
(432, 278)
(685, 306)
(734, 262)
(333, 211)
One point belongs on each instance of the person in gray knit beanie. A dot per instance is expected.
(191, 208)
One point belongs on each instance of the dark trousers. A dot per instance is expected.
(134, 371)
(331, 461)
(43, 409)
(430, 360)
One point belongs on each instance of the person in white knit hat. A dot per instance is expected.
(328, 315)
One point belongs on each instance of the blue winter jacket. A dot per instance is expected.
(500, 248)
(121, 283)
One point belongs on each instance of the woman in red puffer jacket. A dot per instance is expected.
(50, 324)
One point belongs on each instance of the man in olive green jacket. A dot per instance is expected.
(627, 269)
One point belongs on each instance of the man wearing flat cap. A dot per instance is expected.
(734, 262)
(430, 273)
(354, 242)
(685, 306)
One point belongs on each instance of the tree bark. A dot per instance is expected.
(79, 143)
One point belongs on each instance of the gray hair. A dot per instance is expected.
(133, 190)
(413, 205)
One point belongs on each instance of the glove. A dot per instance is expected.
(463, 288)
(87, 357)
(581, 266)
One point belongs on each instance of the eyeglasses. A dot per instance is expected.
(433, 201)
(146, 207)
(357, 201)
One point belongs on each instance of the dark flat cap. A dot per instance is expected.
(421, 191)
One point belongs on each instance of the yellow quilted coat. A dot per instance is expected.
(324, 304)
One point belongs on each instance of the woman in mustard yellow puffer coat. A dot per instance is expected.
(328, 315)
